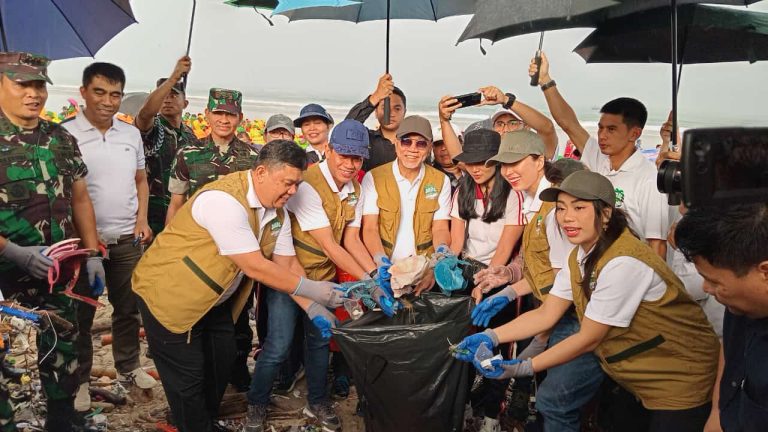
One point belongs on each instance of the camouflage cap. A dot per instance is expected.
(220, 99)
(22, 66)
(177, 88)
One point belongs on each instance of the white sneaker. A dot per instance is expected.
(489, 425)
(138, 377)
(83, 399)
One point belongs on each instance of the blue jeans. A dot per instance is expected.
(570, 386)
(282, 319)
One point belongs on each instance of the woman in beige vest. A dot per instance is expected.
(635, 315)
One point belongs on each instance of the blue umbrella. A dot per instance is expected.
(372, 10)
(288, 5)
(61, 29)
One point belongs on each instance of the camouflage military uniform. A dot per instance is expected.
(161, 143)
(203, 162)
(37, 170)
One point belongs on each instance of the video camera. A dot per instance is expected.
(719, 166)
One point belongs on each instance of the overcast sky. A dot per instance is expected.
(340, 62)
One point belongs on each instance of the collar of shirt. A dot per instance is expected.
(347, 189)
(581, 256)
(633, 163)
(265, 214)
(533, 203)
(83, 125)
(399, 177)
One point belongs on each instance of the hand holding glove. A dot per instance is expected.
(28, 258)
(382, 272)
(488, 308)
(94, 266)
(503, 369)
(465, 350)
(386, 302)
(326, 293)
(322, 318)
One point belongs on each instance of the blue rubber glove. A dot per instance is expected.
(382, 273)
(443, 249)
(504, 369)
(488, 308)
(322, 318)
(386, 302)
(470, 343)
(94, 266)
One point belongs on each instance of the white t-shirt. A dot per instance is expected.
(112, 160)
(405, 243)
(226, 220)
(559, 246)
(483, 238)
(623, 283)
(307, 205)
(636, 192)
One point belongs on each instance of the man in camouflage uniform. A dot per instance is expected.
(43, 200)
(163, 132)
(216, 155)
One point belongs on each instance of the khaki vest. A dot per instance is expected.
(389, 207)
(668, 355)
(182, 275)
(537, 268)
(340, 214)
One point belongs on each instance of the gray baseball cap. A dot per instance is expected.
(279, 121)
(587, 185)
(516, 146)
(415, 125)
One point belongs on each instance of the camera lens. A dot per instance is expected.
(669, 181)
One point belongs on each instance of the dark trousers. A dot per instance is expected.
(194, 367)
(123, 258)
(241, 377)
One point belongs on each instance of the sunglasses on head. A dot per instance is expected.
(409, 142)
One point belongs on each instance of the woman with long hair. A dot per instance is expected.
(544, 249)
(635, 315)
(486, 226)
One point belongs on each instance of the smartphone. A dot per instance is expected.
(469, 99)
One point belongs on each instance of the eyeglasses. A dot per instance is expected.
(277, 133)
(511, 124)
(409, 142)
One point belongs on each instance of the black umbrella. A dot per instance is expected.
(492, 22)
(705, 34)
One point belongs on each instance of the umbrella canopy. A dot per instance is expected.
(62, 29)
(705, 34)
(372, 10)
(132, 103)
(500, 19)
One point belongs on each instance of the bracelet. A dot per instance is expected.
(374, 273)
(548, 85)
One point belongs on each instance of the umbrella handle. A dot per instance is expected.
(535, 77)
(386, 112)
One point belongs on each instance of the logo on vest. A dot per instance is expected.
(275, 226)
(352, 199)
(619, 197)
(430, 191)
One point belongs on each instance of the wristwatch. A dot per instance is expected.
(548, 85)
(510, 102)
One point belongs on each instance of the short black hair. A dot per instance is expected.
(112, 73)
(282, 152)
(733, 238)
(631, 110)
(400, 93)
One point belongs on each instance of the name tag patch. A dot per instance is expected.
(430, 191)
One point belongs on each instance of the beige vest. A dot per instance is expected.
(537, 269)
(340, 214)
(389, 207)
(668, 355)
(182, 275)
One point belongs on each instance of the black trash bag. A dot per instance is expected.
(402, 368)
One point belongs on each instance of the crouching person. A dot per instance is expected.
(196, 277)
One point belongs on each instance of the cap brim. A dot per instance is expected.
(22, 77)
(473, 158)
(297, 123)
(506, 157)
(234, 111)
(289, 128)
(350, 151)
(550, 194)
(404, 132)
